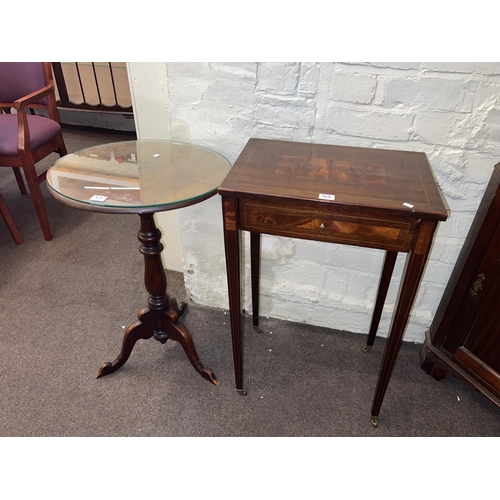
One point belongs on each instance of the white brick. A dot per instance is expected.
(290, 290)
(280, 132)
(457, 226)
(487, 68)
(313, 250)
(488, 95)
(479, 167)
(415, 331)
(430, 296)
(363, 285)
(373, 124)
(273, 248)
(462, 198)
(328, 136)
(336, 280)
(235, 69)
(280, 306)
(278, 77)
(438, 128)
(366, 260)
(492, 126)
(341, 317)
(435, 271)
(358, 88)
(396, 65)
(309, 79)
(448, 95)
(446, 250)
(285, 112)
(399, 92)
(306, 273)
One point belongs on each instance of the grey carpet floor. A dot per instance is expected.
(64, 305)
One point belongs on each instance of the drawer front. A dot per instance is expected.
(286, 219)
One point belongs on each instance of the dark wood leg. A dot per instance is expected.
(159, 319)
(62, 150)
(142, 329)
(414, 268)
(178, 332)
(232, 237)
(19, 179)
(11, 225)
(255, 267)
(429, 361)
(37, 197)
(383, 287)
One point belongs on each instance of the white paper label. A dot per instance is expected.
(409, 205)
(98, 198)
(326, 196)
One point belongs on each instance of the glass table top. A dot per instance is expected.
(137, 176)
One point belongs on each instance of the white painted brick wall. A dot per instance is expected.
(355, 88)
(450, 111)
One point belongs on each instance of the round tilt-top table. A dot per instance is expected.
(143, 177)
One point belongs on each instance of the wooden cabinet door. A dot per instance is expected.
(476, 328)
(485, 277)
(484, 337)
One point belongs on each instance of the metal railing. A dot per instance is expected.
(93, 86)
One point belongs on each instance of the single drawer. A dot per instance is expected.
(323, 224)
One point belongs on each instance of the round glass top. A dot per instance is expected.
(137, 176)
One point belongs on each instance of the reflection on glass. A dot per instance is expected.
(138, 174)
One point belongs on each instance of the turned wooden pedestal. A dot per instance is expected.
(160, 319)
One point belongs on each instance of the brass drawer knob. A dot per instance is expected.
(477, 286)
(322, 227)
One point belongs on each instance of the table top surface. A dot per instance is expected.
(399, 181)
(137, 176)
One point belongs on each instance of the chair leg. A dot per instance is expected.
(36, 195)
(7, 217)
(19, 179)
(62, 150)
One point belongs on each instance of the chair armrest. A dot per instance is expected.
(33, 97)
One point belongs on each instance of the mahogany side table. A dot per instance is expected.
(374, 198)
(143, 177)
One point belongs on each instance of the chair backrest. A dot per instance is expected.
(18, 79)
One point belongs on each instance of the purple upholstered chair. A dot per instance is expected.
(25, 138)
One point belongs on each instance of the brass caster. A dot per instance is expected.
(374, 421)
(367, 348)
(241, 392)
(257, 329)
